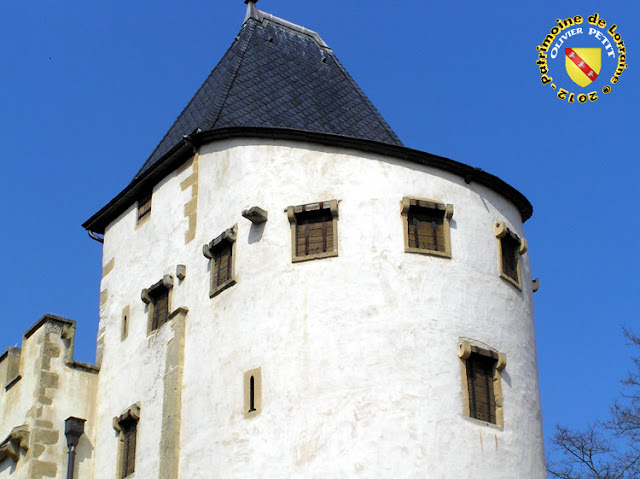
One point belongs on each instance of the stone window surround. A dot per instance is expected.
(447, 210)
(292, 211)
(132, 413)
(257, 393)
(465, 348)
(126, 321)
(208, 250)
(145, 295)
(501, 230)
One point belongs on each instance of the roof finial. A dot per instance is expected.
(252, 11)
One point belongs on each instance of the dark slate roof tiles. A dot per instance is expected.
(277, 77)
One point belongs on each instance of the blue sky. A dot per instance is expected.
(89, 88)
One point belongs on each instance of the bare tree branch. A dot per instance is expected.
(609, 449)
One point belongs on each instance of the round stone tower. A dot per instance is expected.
(290, 292)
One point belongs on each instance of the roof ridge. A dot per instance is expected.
(293, 27)
(259, 15)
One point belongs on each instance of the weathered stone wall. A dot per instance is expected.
(50, 387)
(358, 353)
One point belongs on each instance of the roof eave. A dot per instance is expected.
(185, 149)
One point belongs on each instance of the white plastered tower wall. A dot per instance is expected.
(358, 353)
(355, 358)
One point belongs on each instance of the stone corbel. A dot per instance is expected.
(166, 281)
(144, 296)
(333, 206)
(230, 236)
(291, 215)
(256, 215)
(523, 246)
(17, 439)
(405, 204)
(535, 284)
(8, 449)
(502, 361)
(500, 229)
(131, 414)
(181, 272)
(448, 211)
(464, 349)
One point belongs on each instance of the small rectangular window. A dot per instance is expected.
(144, 207)
(482, 385)
(222, 265)
(221, 252)
(426, 226)
(510, 248)
(482, 402)
(159, 307)
(158, 299)
(314, 230)
(126, 425)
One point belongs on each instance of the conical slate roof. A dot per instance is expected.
(278, 75)
(281, 81)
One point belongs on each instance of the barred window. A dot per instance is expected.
(482, 382)
(128, 452)
(159, 307)
(126, 425)
(510, 248)
(222, 265)
(158, 299)
(482, 401)
(314, 230)
(221, 252)
(426, 226)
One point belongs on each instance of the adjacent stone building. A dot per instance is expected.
(289, 292)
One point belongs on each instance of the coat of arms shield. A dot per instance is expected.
(583, 64)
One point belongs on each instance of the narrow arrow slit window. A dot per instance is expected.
(252, 393)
